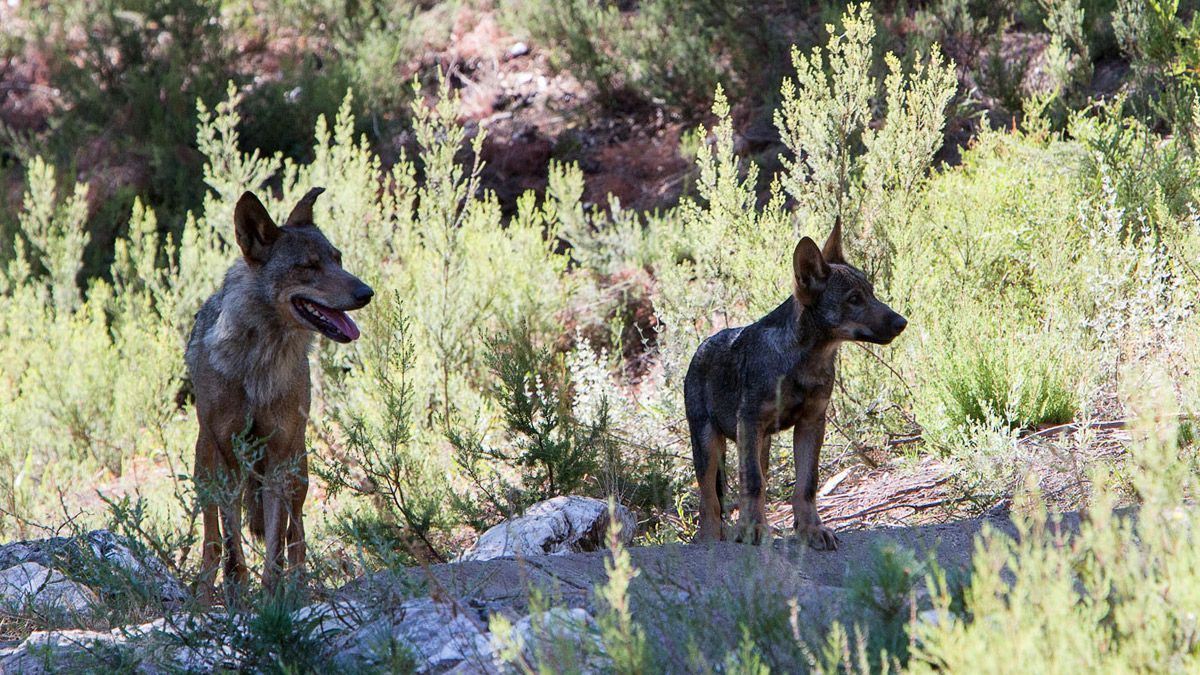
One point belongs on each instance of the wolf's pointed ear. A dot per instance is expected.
(810, 270)
(302, 214)
(254, 228)
(832, 250)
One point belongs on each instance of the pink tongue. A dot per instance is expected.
(342, 321)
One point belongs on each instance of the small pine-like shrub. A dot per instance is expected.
(1021, 381)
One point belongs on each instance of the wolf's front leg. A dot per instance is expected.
(296, 548)
(275, 508)
(806, 446)
(752, 510)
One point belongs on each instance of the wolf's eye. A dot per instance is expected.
(313, 264)
(855, 298)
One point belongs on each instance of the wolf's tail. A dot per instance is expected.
(253, 501)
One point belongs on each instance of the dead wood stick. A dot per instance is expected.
(892, 505)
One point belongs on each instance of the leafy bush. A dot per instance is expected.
(549, 449)
(370, 43)
(1163, 51)
(882, 591)
(823, 118)
(129, 72)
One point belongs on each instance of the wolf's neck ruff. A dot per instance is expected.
(251, 344)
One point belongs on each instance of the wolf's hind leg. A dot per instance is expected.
(210, 554)
(708, 454)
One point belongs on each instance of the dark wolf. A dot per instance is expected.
(248, 361)
(749, 383)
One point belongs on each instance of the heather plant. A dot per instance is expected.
(601, 243)
(126, 75)
(1092, 600)
(1163, 53)
(624, 640)
(1069, 60)
(545, 446)
(840, 166)
(636, 466)
(380, 460)
(49, 321)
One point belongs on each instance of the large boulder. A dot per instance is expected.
(137, 648)
(553, 527)
(32, 587)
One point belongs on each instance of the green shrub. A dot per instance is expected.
(380, 460)
(1096, 600)
(549, 449)
(672, 52)
(882, 591)
(1163, 51)
(130, 72)
(1022, 380)
(823, 118)
(370, 43)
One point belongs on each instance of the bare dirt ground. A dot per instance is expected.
(782, 568)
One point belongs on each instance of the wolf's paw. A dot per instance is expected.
(818, 536)
(752, 533)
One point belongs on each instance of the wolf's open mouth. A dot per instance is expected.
(332, 323)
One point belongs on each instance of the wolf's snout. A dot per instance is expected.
(898, 324)
(363, 294)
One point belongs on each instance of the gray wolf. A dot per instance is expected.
(248, 361)
(749, 383)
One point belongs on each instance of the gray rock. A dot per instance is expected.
(153, 647)
(569, 636)
(73, 554)
(33, 587)
(52, 651)
(333, 618)
(553, 527)
(433, 635)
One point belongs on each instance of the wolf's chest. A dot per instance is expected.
(268, 381)
(270, 369)
(796, 400)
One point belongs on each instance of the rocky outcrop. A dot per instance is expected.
(553, 527)
(567, 634)
(376, 624)
(98, 553)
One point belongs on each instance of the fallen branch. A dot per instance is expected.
(903, 491)
(892, 505)
(1075, 426)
